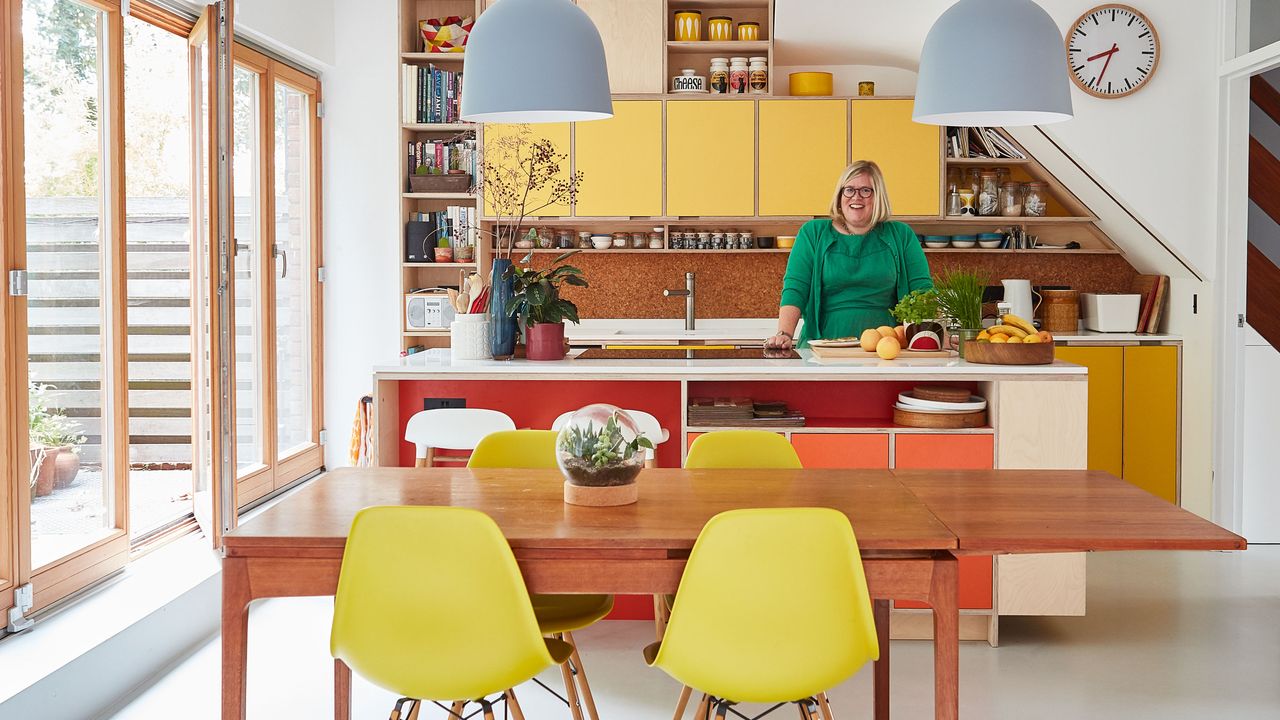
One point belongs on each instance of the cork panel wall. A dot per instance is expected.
(748, 285)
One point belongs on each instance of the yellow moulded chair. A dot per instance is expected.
(431, 606)
(558, 615)
(742, 449)
(772, 608)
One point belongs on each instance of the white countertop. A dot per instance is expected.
(439, 362)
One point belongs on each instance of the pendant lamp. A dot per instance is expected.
(993, 62)
(535, 61)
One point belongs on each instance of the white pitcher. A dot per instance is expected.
(1017, 294)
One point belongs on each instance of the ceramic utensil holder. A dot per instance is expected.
(469, 337)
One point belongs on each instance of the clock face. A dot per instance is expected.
(1112, 50)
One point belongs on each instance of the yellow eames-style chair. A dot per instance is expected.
(431, 606)
(742, 449)
(772, 608)
(558, 615)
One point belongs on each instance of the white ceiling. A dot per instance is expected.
(888, 33)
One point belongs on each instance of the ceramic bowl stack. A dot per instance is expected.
(940, 406)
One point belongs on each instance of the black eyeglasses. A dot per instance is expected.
(862, 192)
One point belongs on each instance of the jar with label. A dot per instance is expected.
(1011, 199)
(967, 198)
(688, 81)
(704, 240)
(655, 239)
(738, 76)
(719, 75)
(639, 241)
(989, 194)
(620, 240)
(758, 75)
(746, 240)
(1035, 200)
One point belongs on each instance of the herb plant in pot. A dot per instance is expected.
(536, 303)
(599, 453)
(918, 310)
(960, 297)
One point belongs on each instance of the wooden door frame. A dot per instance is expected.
(15, 495)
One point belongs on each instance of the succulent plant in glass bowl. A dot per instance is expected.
(599, 454)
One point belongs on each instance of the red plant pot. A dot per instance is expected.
(544, 341)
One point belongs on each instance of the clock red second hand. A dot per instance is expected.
(1109, 54)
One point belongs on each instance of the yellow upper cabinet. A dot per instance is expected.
(496, 147)
(711, 158)
(908, 153)
(621, 161)
(633, 46)
(804, 144)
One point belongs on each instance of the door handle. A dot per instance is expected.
(277, 251)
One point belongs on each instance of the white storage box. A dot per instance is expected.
(1110, 313)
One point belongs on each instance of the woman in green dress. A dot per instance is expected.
(846, 272)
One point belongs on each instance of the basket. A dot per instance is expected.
(454, 183)
(1061, 310)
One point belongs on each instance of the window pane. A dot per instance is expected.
(1263, 17)
(293, 270)
(246, 164)
(158, 217)
(63, 98)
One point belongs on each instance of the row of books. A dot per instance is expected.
(456, 222)
(1153, 289)
(980, 142)
(430, 94)
(445, 156)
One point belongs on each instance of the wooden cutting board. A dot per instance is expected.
(941, 393)
(857, 353)
(977, 418)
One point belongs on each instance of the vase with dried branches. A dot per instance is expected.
(520, 174)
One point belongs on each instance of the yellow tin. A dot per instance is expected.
(688, 25)
(719, 28)
(866, 89)
(811, 83)
(748, 31)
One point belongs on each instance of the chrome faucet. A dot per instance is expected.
(688, 294)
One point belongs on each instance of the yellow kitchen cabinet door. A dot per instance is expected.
(1151, 419)
(1106, 403)
(711, 158)
(621, 161)
(631, 31)
(803, 147)
(497, 137)
(907, 152)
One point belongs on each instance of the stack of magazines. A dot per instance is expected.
(980, 142)
(741, 412)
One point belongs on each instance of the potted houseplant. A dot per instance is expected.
(918, 311)
(598, 451)
(960, 297)
(520, 175)
(54, 440)
(444, 252)
(535, 301)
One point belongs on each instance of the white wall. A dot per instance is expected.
(299, 29)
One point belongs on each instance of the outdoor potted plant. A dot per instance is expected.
(535, 301)
(598, 451)
(54, 443)
(918, 311)
(960, 297)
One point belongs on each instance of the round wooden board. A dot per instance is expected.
(941, 393)
(987, 353)
(939, 420)
(611, 496)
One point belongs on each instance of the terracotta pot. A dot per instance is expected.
(66, 466)
(46, 473)
(544, 341)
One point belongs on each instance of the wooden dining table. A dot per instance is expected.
(910, 527)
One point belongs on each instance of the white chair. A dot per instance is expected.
(647, 424)
(452, 429)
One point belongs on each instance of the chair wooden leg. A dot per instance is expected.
(488, 712)
(824, 706)
(457, 710)
(580, 676)
(703, 710)
(683, 703)
(417, 708)
(660, 615)
(570, 686)
(514, 705)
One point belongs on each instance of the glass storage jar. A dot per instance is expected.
(1011, 199)
(639, 241)
(1035, 199)
(988, 194)
(584, 239)
(564, 239)
(620, 240)
(655, 239)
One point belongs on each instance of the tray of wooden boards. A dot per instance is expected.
(926, 407)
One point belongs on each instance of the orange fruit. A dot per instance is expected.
(901, 333)
(888, 348)
(869, 339)
(886, 331)
(1045, 336)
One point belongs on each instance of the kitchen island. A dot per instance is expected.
(1037, 418)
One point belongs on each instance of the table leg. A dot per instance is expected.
(235, 636)
(880, 610)
(341, 690)
(944, 599)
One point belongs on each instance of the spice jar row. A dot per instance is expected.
(717, 240)
(729, 76)
(991, 191)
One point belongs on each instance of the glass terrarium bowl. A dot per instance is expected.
(599, 447)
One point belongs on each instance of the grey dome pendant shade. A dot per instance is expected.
(535, 61)
(993, 62)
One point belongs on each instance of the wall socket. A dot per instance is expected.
(438, 403)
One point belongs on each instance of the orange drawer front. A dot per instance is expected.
(975, 584)
(944, 452)
(867, 451)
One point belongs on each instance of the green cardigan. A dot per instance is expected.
(802, 284)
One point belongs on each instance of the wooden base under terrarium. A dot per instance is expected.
(601, 496)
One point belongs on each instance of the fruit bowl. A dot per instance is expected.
(988, 353)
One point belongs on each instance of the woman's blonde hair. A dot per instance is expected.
(880, 209)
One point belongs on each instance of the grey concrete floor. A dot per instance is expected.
(1168, 636)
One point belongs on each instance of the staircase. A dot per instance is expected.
(1262, 301)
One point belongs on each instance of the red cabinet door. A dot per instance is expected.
(868, 451)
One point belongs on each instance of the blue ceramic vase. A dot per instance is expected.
(502, 342)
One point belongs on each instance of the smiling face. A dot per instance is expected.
(857, 202)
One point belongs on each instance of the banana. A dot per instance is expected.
(1014, 320)
(1010, 330)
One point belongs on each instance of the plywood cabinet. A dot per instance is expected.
(803, 148)
(1151, 419)
(907, 152)
(1106, 403)
(557, 133)
(711, 159)
(633, 44)
(866, 451)
(621, 161)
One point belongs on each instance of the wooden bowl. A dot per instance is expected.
(986, 353)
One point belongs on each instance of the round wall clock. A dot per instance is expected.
(1112, 51)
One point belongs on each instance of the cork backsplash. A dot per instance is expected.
(746, 285)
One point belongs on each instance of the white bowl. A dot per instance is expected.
(937, 244)
(601, 243)
(964, 244)
(990, 244)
